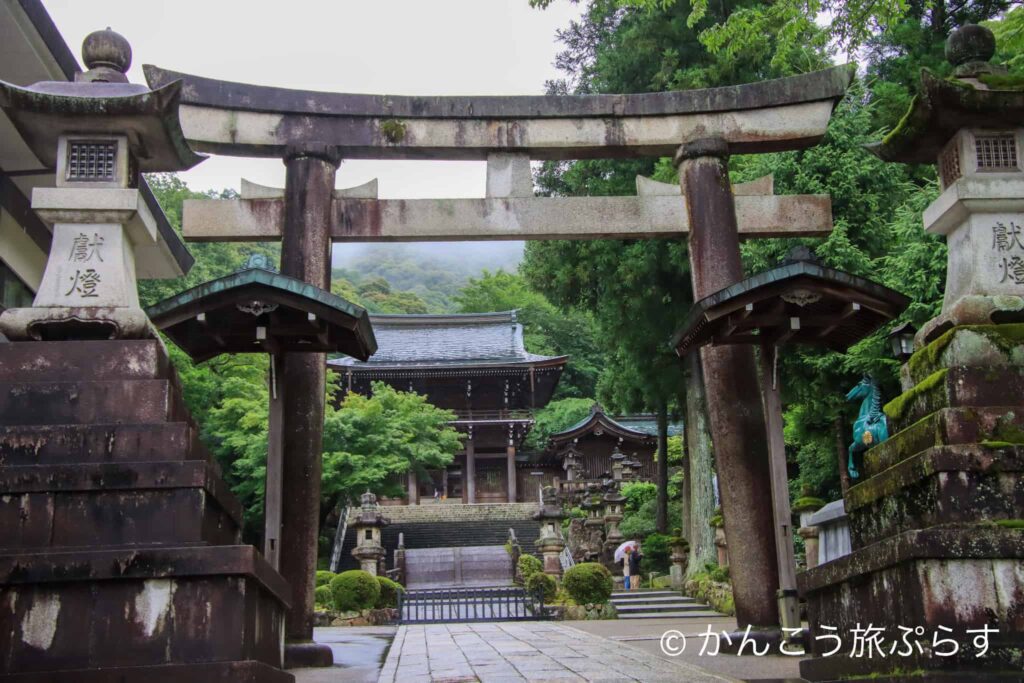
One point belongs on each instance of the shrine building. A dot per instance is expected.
(476, 365)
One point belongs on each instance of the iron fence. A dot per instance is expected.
(461, 605)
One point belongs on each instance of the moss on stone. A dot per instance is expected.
(1010, 523)
(807, 503)
(1003, 81)
(896, 409)
(393, 130)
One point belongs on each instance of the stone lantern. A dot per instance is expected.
(100, 133)
(593, 526)
(613, 509)
(618, 460)
(369, 550)
(550, 543)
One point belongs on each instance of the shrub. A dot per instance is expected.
(656, 553)
(389, 591)
(322, 596)
(720, 574)
(542, 583)
(588, 582)
(323, 577)
(528, 565)
(354, 590)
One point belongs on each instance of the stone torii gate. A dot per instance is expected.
(313, 131)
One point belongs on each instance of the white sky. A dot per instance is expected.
(405, 47)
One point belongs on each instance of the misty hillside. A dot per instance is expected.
(434, 271)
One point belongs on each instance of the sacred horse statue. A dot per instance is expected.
(870, 428)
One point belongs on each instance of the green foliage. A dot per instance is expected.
(540, 583)
(555, 417)
(323, 577)
(588, 582)
(640, 510)
(546, 330)
(637, 493)
(322, 597)
(354, 590)
(389, 591)
(370, 441)
(656, 551)
(527, 566)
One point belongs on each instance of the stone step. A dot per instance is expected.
(114, 401)
(666, 607)
(708, 614)
(68, 444)
(84, 360)
(174, 503)
(674, 599)
(645, 593)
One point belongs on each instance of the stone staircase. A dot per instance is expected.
(459, 531)
(659, 604)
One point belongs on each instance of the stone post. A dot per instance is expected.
(550, 543)
(306, 255)
(400, 560)
(613, 538)
(810, 536)
(510, 459)
(514, 552)
(594, 526)
(721, 547)
(369, 550)
(736, 418)
(679, 558)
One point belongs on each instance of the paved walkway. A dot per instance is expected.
(523, 651)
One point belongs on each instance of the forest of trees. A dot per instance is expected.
(613, 305)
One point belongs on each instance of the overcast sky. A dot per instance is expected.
(403, 47)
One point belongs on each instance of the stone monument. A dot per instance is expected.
(550, 543)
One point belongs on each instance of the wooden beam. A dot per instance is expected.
(851, 309)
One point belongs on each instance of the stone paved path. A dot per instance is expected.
(523, 651)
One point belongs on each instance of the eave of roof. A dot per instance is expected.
(593, 420)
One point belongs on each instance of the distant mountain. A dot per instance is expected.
(435, 271)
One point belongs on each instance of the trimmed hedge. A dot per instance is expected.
(322, 596)
(542, 583)
(389, 591)
(528, 565)
(323, 577)
(588, 583)
(354, 590)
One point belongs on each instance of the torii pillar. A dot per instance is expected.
(730, 379)
(306, 255)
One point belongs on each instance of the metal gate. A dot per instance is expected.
(453, 605)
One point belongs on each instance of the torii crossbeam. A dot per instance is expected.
(312, 131)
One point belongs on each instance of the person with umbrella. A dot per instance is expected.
(622, 554)
(633, 560)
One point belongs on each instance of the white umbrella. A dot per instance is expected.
(620, 552)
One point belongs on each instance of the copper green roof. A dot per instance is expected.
(259, 311)
(800, 302)
(630, 427)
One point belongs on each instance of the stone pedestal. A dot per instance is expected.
(120, 544)
(810, 536)
(721, 547)
(550, 543)
(933, 524)
(680, 559)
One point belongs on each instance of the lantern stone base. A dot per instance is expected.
(961, 578)
(120, 556)
(934, 524)
(973, 309)
(59, 323)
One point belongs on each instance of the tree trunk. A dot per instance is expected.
(661, 518)
(684, 493)
(699, 459)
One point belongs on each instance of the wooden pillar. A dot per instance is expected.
(788, 599)
(305, 255)
(469, 475)
(510, 454)
(275, 453)
(735, 414)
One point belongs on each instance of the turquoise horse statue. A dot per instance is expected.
(870, 428)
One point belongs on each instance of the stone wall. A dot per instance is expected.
(456, 512)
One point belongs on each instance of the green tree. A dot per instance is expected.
(546, 329)
(555, 417)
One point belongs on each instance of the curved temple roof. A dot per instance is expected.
(226, 315)
(454, 340)
(643, 428)
(250, 120)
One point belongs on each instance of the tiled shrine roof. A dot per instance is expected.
(450, 340)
